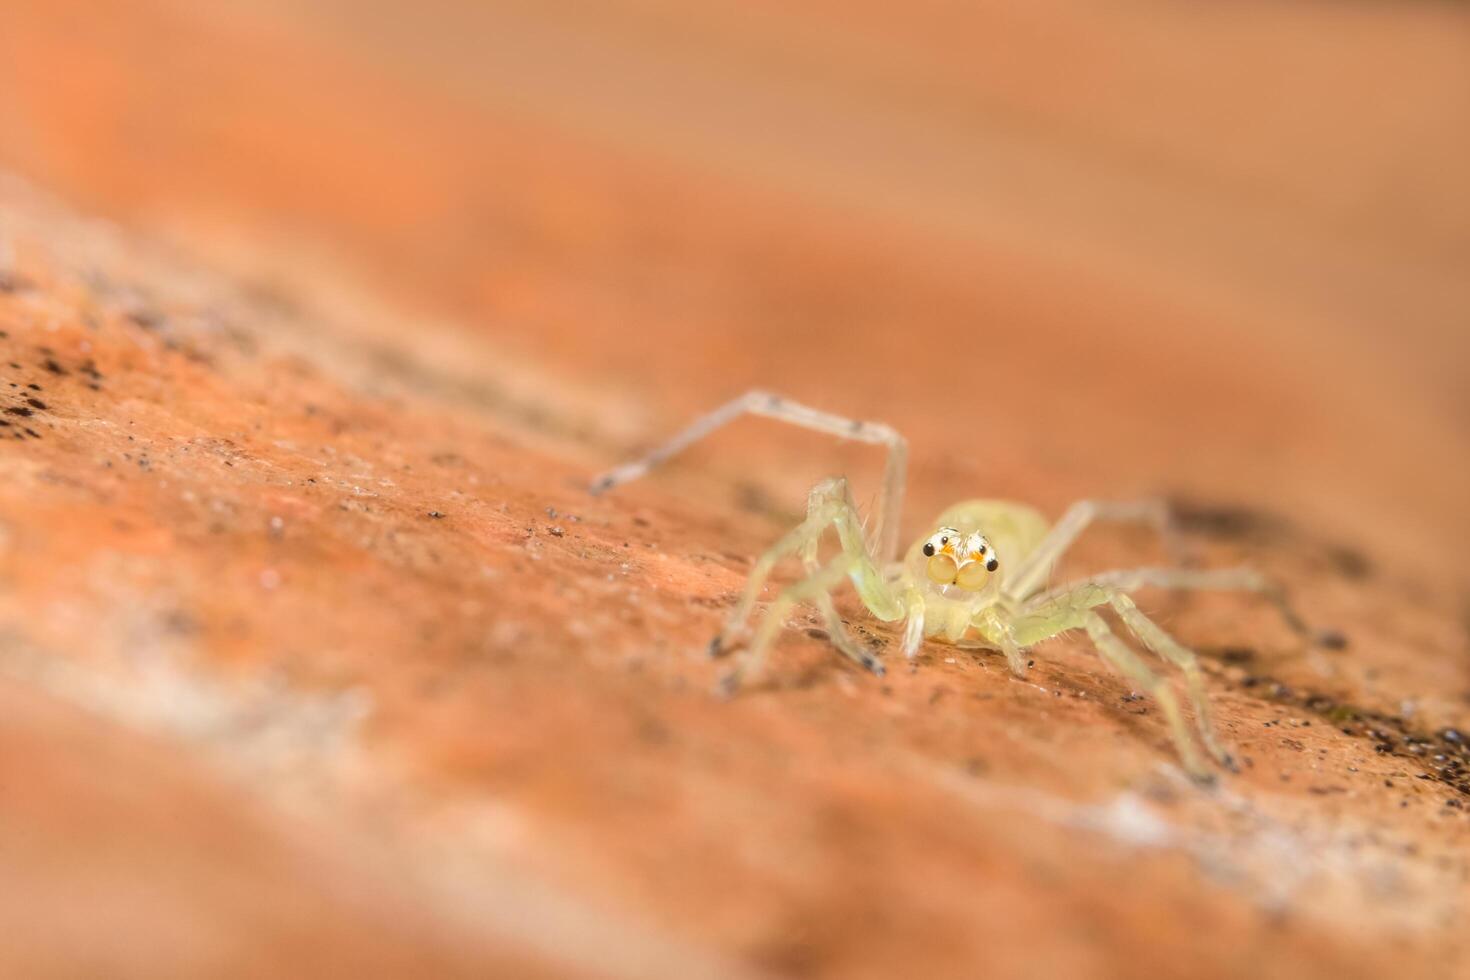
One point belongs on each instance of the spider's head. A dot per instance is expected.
(955, 558)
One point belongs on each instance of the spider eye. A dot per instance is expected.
(941, 570)
(929, 550)
(944, 540)
(972, 576)
(992, 564)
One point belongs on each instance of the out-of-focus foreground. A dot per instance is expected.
(316, 658)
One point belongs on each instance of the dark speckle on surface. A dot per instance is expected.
(50, 364)
(1443, 756)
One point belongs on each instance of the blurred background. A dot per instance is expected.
(1215, 251)
(1236, 235)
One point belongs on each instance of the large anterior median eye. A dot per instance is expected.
(973, 576)
(941, 570)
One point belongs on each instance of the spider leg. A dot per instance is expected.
(816, 586)
(836, 629)
(1076, 610)
(913, 633)
(1243, 579)
(885, 531)
(1165, 646)
(1034, 568)
(828, 504)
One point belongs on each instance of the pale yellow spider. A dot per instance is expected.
(976, 580)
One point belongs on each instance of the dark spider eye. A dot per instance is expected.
(991, 564)
(944, 540)
(929, 550)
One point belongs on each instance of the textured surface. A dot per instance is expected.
(314, 654)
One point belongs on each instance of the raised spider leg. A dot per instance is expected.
(885, 531)
(1034, 568)
(1059, 614)
(1225, 579)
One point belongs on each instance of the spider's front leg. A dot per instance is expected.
(828, 505)
(1054, 614)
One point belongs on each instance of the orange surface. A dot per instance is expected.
(370, 264)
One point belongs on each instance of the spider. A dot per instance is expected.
(976, 579)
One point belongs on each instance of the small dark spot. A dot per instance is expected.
(36, 403)
(34, 387)
(992, 564)
(15, 365)
(1331, 640)
(33, 433)
(1237, 655)
(929, 550)
(1030, 663)
(436, 514)
(22, 412)
(1350, 562)
(50, 365)
(145, 318)
(855, 426)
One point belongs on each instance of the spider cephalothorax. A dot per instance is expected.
(951, 587)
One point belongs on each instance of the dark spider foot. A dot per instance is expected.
(719, 646)
(1203, 778)
(728, 685)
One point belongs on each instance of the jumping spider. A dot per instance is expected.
(977, 580)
